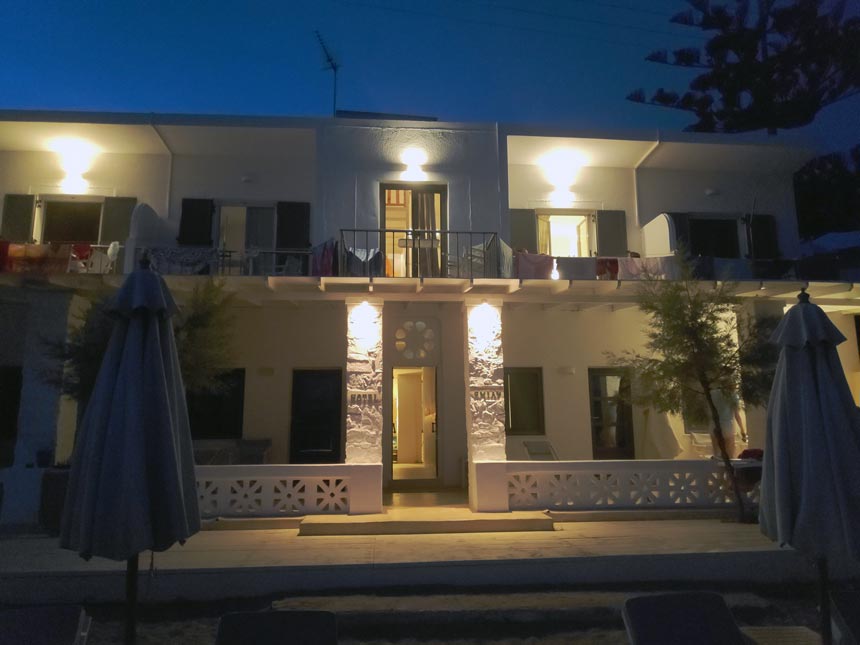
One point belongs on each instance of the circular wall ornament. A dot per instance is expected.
(416, 340)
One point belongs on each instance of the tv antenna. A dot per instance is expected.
(332, 64)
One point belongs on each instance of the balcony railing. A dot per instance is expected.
(418, 253)
(61, 257)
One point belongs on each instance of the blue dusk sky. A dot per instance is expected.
(556, 62)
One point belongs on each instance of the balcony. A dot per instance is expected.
(417, 253)
(61, 257)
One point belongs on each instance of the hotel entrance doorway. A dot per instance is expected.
(414, 431)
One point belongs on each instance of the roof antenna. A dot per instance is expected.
(332, 64)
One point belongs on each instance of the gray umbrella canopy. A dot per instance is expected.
(132, 485)
(810, 488)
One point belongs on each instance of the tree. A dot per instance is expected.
(827, 193)
(772, 68)
(692, 356)
(203, 331)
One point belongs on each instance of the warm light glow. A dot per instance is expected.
(554, 273)
(364, 326)
(561, 166)
(564, 235)
(485, 324)
(414, 158)
(76, 158)
(562, 198)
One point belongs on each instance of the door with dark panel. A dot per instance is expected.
(315, 429)
(524, 230)
(16, 221)
(612, 234)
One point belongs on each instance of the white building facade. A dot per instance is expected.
(418, 305)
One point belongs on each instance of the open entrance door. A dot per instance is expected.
(414, 436)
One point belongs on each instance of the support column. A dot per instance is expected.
(364, 384)
(486, 422)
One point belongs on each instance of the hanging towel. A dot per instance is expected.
(631, 269)
(532, 266)
(607, 268)
(577, 268)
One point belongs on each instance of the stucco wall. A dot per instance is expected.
(564, 341)
(121, 175)
(270, 342)
(354, 159)
(663, 191)
(595, 188)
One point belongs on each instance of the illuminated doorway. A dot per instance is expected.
(414, 431)
(414, 219)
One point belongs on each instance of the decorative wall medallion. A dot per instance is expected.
(417, 340)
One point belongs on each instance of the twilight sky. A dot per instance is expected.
(565, 62)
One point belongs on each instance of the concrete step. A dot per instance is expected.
(406, 521)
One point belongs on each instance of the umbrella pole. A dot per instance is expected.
(131, 600)
(824, 601)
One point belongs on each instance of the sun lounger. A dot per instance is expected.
(281, 627)
(680, 619)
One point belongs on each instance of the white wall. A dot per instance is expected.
(663, 191)
(848, 352)
(561, 340)
(355, 159)
(270, 342)
(121, 175)
(595, 188)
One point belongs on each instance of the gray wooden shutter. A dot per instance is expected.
(294, 225)
(524, 230)
(612, 233)
(116, 219)
(195, 226)
(16, 224)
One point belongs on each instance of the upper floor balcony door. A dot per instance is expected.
(413, 220)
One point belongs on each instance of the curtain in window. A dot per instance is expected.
(424, 217)
(544, 245)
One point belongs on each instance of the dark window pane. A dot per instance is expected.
(218, 415)
(714, 238)
(524, 400)
(611, 414)
(72, 222)
(10, 402)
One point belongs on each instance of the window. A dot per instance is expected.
(10, 403)
(611, 413)
(72, 222)
(413, 217)
(218, 415)
(524, 400)
(714, 238)
(564, 235)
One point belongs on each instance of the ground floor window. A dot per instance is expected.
(611, 413)
(11, 378)
(524, 401)
(315, 428)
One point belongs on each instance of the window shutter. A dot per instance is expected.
(17, 219)
(294, 225)
(195, 226)
(116, 219)
(765, 243)
(612, 233)
(524, 230)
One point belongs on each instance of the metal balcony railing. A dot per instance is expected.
(418, 253)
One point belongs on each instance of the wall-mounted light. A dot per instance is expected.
(413, 158)
(76, 158)
(561, 168)
(485, 327)
(364, 326)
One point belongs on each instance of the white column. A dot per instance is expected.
(364, 384)
(486, 384)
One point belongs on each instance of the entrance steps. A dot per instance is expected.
(423, 520)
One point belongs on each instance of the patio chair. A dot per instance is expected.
(699, 617)
(281, 627)
(49, 625)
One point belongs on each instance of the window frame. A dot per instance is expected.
(540, 429)
(40, 217)
(620, 372)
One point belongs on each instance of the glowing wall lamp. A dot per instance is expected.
(414, 158)
(365, 326)
(561, 168)
(76, 158)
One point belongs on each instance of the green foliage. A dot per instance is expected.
(772, 66)
(203, 329)
(691, 346)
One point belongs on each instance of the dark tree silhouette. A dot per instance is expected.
(827, 194)
(774, 66)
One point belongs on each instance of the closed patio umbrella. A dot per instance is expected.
(810, 491)
(132, 486)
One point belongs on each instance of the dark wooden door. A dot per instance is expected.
(315, 431)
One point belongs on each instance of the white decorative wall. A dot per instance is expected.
(364, 384)
(486, 384)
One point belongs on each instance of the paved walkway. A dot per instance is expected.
(236, 563)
